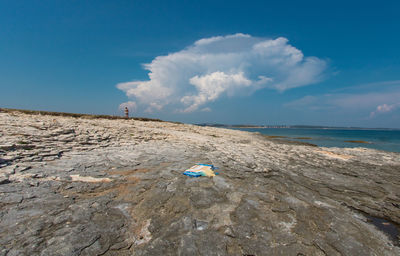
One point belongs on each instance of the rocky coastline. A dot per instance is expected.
(79, 185)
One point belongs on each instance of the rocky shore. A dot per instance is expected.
(93, 186)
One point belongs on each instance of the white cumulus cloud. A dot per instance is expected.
(219, 66)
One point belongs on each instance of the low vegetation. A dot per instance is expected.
(75, 115)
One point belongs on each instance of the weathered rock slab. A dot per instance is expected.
(76, 186)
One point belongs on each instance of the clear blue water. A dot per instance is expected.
(388, 140)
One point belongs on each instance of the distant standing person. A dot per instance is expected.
(126, 112)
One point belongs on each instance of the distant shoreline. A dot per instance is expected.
(295, 127)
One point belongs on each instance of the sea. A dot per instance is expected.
(382, 139)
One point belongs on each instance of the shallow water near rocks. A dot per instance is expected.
(388, 140)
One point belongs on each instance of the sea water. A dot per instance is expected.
(388, 140)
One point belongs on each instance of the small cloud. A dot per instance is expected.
(130, 105)
(302, 102)
(384, 108)
(380, 85)
(214, 67)
(205, 110)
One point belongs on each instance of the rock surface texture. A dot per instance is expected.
(79, 186)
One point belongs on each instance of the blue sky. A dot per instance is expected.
(260, 62)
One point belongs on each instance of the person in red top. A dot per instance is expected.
(126, 112)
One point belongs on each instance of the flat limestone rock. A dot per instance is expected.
(80, 186)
